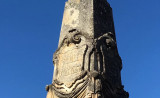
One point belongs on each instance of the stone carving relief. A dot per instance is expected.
(81, 66)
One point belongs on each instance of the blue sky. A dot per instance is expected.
(29, 34)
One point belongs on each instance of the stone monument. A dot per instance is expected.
(87, 63)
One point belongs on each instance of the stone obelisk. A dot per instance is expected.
(87, 63)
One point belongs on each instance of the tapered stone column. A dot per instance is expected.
(87, 63)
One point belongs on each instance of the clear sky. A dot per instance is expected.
(29, 34)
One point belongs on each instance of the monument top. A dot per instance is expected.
(88, 16)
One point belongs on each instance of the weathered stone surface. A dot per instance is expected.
(87, 63)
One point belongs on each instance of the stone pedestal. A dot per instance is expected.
(87, 63)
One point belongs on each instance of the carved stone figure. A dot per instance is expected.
(87, 63)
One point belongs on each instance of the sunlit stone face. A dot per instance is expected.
(70, 17)
(70, 61)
